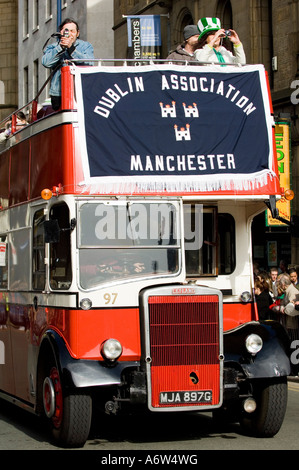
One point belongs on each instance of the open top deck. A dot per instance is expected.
(157, 129)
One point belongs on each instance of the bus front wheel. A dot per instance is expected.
(271, 397)
(69, 415)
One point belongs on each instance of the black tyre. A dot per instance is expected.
(69, 415)
(271, 397)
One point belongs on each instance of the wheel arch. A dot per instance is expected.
(49, 351)
(76, 373)
(274, 358)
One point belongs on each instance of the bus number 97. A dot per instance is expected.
(110, 298)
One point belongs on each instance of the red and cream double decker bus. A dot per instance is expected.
(126, 274)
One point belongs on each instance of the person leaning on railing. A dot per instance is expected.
(6, 133)
(20, 122)
(68, 47)
(211, 44)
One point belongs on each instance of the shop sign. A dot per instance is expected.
(282, 139)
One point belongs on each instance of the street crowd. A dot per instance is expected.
(277, 296)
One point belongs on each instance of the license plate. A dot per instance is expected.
(199, 396)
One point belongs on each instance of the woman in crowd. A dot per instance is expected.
(263, 299)
(211, 44)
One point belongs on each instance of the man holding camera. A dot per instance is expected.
(212, 40)
(68, 47)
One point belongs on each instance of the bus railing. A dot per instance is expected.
(31, 108)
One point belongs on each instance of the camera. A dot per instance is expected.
(227, 33)
(66, 34)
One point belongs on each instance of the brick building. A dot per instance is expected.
(26, 25)
(8, 57)
(37, 20)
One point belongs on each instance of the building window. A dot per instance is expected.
(25, 85)
(48, 72)
(48, 9)
(25, 19)
(35, 15)
(35, 78)
(2, 92)
(224, 12)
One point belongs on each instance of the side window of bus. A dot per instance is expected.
(212, 250)
(38, 251)
(3, 262)
(60, 251)
(226, 244)
(201, 229)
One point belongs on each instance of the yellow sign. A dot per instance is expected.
(282, 139)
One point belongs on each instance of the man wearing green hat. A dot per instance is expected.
(211, 43)
(185, 52)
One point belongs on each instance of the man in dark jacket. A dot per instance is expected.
(185, 52)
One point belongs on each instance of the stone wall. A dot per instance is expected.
(8, 57)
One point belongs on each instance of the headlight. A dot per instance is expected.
(111, 349)
(85, 304)
(249, 405)
(245, 297)
(254, 343)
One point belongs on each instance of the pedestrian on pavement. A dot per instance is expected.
(294, 277)
(273, 283)
(263, 299)
(287, 305)
(283, 267)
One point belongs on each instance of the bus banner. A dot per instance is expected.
(154, 129)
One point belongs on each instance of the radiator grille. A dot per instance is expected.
(184, 330)
(184, 343)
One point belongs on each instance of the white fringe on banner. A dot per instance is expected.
(176, 184)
